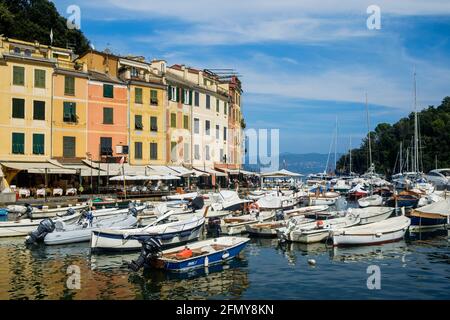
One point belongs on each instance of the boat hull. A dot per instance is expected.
(421, 224)
(103, 241)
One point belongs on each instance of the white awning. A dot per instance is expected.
(211, 171)
(50, 167)
(162, 170)
(86, 171)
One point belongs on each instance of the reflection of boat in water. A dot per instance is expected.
(219, 281)
(391, 250)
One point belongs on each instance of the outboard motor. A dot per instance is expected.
(28, 211)
(214, 226)
(341, 204)
(196, 204)
(133, 211)
(279, 215)
(86, 219)
(151, 247)
(69, 212)
(45, 227)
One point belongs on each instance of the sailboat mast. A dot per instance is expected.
(335, 147)
(368, 131)
(350, 155)
(416, 133)
(401, 157)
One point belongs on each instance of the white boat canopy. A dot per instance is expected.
(280, 174)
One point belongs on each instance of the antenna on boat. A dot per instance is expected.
(368, 130)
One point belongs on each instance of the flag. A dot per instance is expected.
(122, 160)
(51, 36)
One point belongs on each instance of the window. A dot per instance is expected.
(38, 110)
(187, 149)
(153, 124)
(153, 97)
(27, 52)
(134, 72)
(197, 98)
(153, 151)
(108, 115)
(69, 144)
(196, 152)
(208, 101)
(187, 97)
(173, 93)
(207, 157)
(138, 122)
(173, 120)
(69, 86)
(221, 155)
(225, 107)
(18, 76)
(217, 105)
(18, 143)
(224, 133)
(70, 112)
(138, 150)
(207, 127)
(39, 78)
(106, 146)
(108, 91)
(217, 132)
(196, 125)
(18, 108)
(186, 122)
(173, 150)
(138, 95)
(38, 143)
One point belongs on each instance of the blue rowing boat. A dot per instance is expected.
(198, 254)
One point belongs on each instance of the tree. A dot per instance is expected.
(32, 20)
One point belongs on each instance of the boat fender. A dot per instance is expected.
(206, 263)
(311, 262)
(319, 224)
(45, 227)
(378, 234)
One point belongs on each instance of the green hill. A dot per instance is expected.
(434, 130)
(31, 20)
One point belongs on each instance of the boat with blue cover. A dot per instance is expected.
(198, 254)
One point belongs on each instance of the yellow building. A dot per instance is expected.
(146, 100)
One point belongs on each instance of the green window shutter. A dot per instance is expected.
(69, 86)
(177, 93)
(39, 78)
(153, 151)
(208, 101)
(38, 110)
(225, 107)
(196, 98)
(138, 95)
(153, 124)
(183, 92)
(106, 146)
(69, 147)
(186, 122)
(217, 105)
(108, 116)
(138, 125)
(18, 76)
(190, 97)
(153, 97)
(108, 91)
(18, 143)
(173, 120)
(38, 143)
(18, 108)
(138, 150)
(169, 92)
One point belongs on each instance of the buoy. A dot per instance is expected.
(206, 261)
(311, 262)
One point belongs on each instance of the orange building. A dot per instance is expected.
(107, 124)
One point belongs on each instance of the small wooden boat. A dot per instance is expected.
(198, 254)
(315, 231)
(374, 200)
(269, 229)
(236, 225)
(388, 230)
(404, 199)
(372, 214)
(431, 217)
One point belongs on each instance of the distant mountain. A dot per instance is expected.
(302, 163)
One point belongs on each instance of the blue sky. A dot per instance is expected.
(302, 63)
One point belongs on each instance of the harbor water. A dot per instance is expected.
(414, 268)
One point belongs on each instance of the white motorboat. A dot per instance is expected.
(315, 231)
(236, 225)
(374, 200)
(327, 198)
(388, 230)
(80, 231)
(182, 196)
(275, 202)
(45, 211)
(269, 229)
(227, 200)
(372, 214)
(170, 230)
